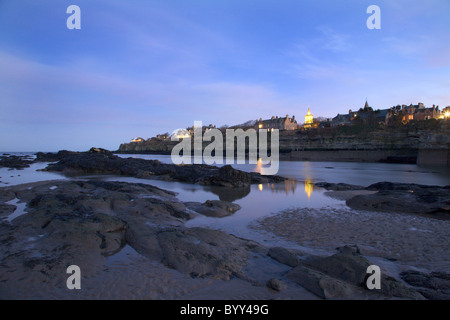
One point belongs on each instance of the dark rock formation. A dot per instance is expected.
(52, 156)
(320, 284)
(337, 186)
(275, 284)
(99, 161)
(82, 222)
(433, 286)
(214, 208)
(432, 201)
(230, 194)
(343, 275)
(15, 162)
(202, 252)
(284, 256)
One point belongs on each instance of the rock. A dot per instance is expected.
(14, 162)
(260, 179)
(391, 186)
(100, 150)
(214, 208)
(275, 284)
(100, 161)
(230, 194)
(203, 252)
(283, 256)
(433, 286)
(6, 210)
(227, 176)
(346, 267)
(351, 268)
(338, 186)
(431, 201)
(349, 249)
(53, 157)
(82, 222)
(320, 284)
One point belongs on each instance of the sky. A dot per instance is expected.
(137, 68)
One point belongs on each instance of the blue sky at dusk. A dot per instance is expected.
(140, 67)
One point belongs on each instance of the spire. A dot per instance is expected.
(366, 106)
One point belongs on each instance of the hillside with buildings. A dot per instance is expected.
(402, 134)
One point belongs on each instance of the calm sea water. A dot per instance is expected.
(356, 173)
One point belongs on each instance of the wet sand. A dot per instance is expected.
(409, 241)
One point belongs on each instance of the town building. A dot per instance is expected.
(365, 115)
(420, 112)
(342, 120)
(282, 123)
(309, 121)
(163, 136)
(445, 114)
(416, 112)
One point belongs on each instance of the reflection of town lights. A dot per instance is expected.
(309, 188)
(260, 187)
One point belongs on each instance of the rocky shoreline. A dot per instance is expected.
(85, 222)
(408, 198)
(100, 161)
(47, 226)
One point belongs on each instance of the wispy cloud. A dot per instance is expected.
(332, 40)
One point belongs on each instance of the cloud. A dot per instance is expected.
(321, 57)
(333, 41)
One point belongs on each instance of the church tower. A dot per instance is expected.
(309, 118)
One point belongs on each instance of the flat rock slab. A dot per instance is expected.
(214, 208)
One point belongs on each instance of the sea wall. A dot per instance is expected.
(436, 157)
(389, 156)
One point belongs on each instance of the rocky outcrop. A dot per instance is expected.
(433, 286)
(284, 256)
(275, 284)
(15, 162)
(344, 275)
(337, 186)
(82, 222)
(202, 252)
(429, 201)
(432, 201)
(214, 208)
(104, 162)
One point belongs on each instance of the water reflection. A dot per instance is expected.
(230, 194)
(309, 187)
(289, 186)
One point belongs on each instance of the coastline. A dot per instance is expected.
(136, 228)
